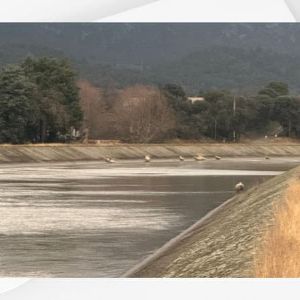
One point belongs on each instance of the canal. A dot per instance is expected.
(92, 219)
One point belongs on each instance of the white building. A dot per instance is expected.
(195, 99)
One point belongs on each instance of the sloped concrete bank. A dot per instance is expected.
(224, 243)
(40, 153)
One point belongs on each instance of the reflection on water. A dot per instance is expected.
(98, 220)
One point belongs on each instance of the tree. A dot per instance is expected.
(98, 118)
(18, 107)
(275, 89)
(264, 104)
(219, 114)
(245, 115)
(58, 95)
(287, 112)
(185, 126)
(142, 114)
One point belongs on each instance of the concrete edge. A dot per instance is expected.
(189, 231)
(179, 238)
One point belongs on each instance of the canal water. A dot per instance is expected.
(92, 219)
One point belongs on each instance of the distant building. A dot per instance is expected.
(195, 99)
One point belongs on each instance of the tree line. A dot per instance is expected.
(42, 100)
(153, 114)
(39, 101)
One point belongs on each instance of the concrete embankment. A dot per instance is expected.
(226, 241)
(40, 153)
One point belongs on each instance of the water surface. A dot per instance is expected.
(98, 220)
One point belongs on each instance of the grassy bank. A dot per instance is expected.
(279, 256)
(62, 152)
(228, 241)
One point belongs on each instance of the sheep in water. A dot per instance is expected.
(147, 158)
(239, 187)
(181, 158)
(199, 158)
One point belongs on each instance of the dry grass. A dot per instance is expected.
(280, 254)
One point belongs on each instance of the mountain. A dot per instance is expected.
(231, 68)
(198, 56)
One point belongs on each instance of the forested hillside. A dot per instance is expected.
(196, 56)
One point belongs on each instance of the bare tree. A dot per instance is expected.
(98, 119)
(142, 114)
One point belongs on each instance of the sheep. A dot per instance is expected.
(109, 160)
(239, 187)
(199, 158)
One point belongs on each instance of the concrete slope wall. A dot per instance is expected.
(41, 153)
(224, 243)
